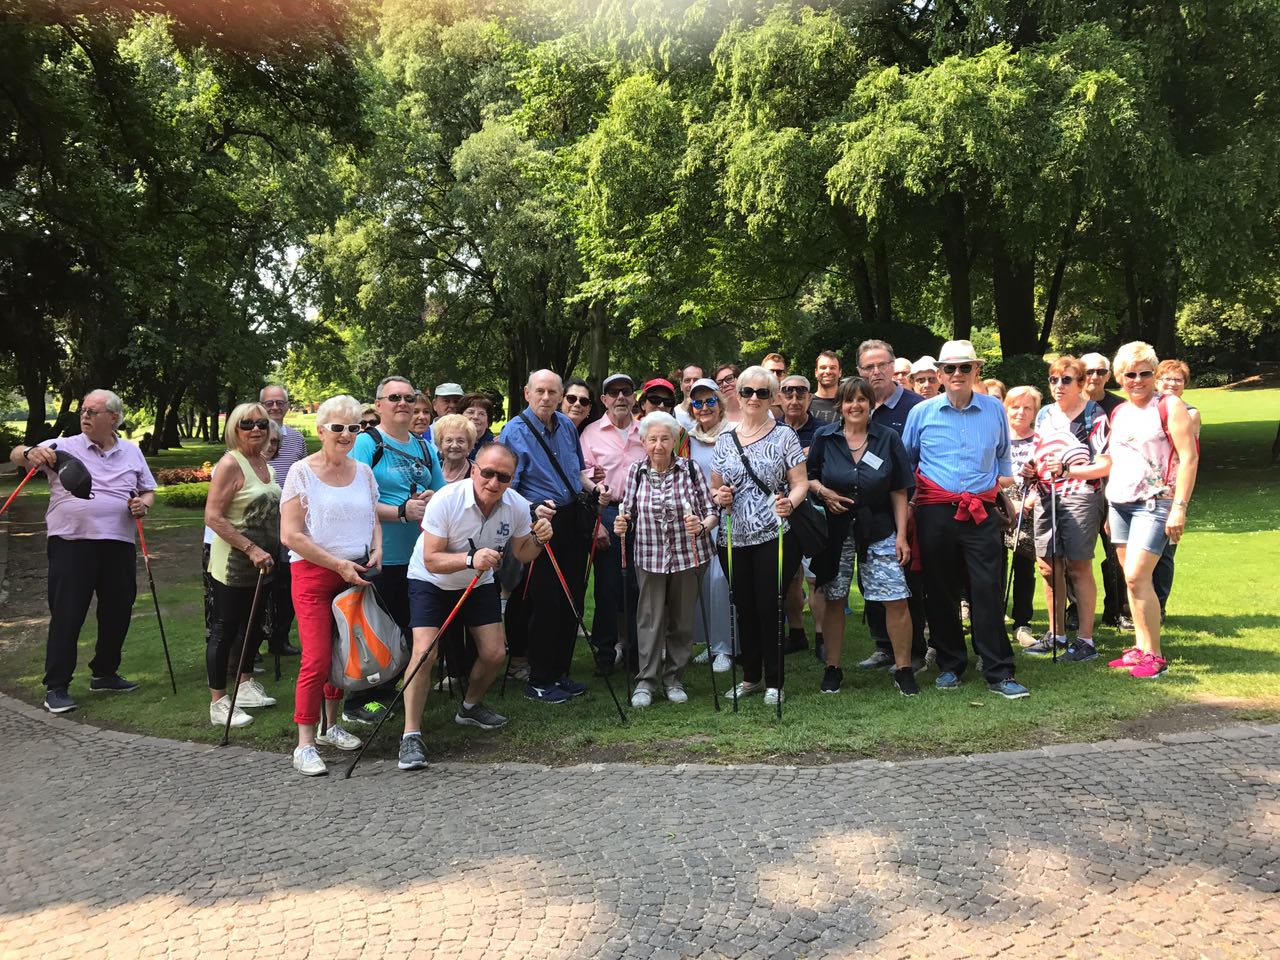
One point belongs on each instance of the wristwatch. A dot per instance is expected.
(400, 512)
(471, 560)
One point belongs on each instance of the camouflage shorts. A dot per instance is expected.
(880, 577)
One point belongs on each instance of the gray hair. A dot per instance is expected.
(272, 386)
(394, 378)
(795, 379)
(661, 420)
(762, 377)
(884, 345)
(112, 403)
(528, 384)
(339, 409)
(1095, 360)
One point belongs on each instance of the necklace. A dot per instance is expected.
(854, 451)
(755, 432)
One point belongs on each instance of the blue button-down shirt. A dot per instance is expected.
(536, 479)
(960, 449)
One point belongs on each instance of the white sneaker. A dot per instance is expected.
(1024, 636)
(677, 695)
(641, 698)
(722, 663)
(448, 684)
(703, 657)
(773, 695)
(306, 760)
(251, 694)
(744, 689)
(335, 736)
(218, 713)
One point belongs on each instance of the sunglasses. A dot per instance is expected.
(1097, 372)
(620, 392)
(489, 474)
(950, 368)
(400, 397)
(746, 393)
(576, 401)
(1066, 381)
(668, 402)
(254, 424)
(795, 391)
(1139, 374)
(369, 423)
(710, 403)
(339, 427)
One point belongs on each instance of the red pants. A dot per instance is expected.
(313, 589)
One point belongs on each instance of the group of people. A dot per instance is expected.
(706, 513)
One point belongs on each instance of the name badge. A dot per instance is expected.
(872, 461)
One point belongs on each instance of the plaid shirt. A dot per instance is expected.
(656, 504)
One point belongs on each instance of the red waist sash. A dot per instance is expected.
(969, 506)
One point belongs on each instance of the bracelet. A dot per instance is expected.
(1180, 503)
(400, 512)
(26, 454)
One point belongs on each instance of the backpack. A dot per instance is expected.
(380, 447)
(368, 645)
(1171, 468)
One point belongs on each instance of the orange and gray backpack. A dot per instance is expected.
(368, 645)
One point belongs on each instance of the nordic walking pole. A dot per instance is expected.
(1053, 573)
(564, 584)
(702, 607)
(244, 648)
(733, 611)
(1017, 531)
(18, 489)
(408, 677)
(780, 616)
(626, 610)
(146, 560)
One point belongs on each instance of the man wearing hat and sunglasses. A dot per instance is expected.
(959, 442)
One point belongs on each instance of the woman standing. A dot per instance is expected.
(667, 499)
(758, 475)
(726, 380)
(1021, 406)
(709, 421)
(420, 424)
(243, 511)
(478, 408)
(329, 523)
(579, 403)
(1172, 377)
(861, 472)
(455, 436)
(1153, 471)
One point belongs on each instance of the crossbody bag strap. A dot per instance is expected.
(746, 464)
(551, 456)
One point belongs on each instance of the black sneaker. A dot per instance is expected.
(1044, 646)
(370, 712)
(114, 684)
(832, 677)
(905, 680)
(1078, 652)
(413, 752)
(479, 716)
(796, 641)
(57, 700)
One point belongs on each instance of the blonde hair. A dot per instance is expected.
(1132, 354)
(1018, 393)
(245, 411)
(451, 422)
(343, 408)
(992, 383)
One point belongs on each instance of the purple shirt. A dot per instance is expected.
(116, 473)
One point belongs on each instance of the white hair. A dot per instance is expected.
(795, 379)
(111, 402)
(339, 409)
(1095, 361)
(262, 394)
(664, 421)
(759, 377)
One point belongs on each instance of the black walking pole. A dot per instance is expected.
(1017, 531)
(733, 613)
(780, 614)
(1053, 574)
(702, 607)
(244, 647)
(146, 561)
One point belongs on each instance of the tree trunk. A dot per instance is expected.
(598, 362)
(1055, 283)
(33, 384)
(884, 298)
(854, 234)
(861, 276)
(955, 252)
(1133, 308)
(1013, 281)
(170, 439)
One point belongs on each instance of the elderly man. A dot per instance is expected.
(1115, 603)
(446, 399)
(293, 447)
(902, 373)
(688, 377)
(876, 364)
(959, 442)
(91, 546)
(826, 375)
(924, 377)
(612, 444)
(550, 470)
(465, 531)
(408, 473)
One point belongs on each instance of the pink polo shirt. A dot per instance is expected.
(116, 473)
(616, 450)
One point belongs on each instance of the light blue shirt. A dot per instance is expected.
(962, 450)
(399, 478)
(536, 479)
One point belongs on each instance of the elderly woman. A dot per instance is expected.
(861, 472)
(758, 475)
(478, 408)
(666, 497)
(1172, 377)
(91, 545)
(1154, 458)
(243, 511)
(709, 421)
(329, 522)
(455, 436)
(1021, 405)
(579, 403)
(1071, 460)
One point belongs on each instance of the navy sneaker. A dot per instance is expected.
(370, 712)
(947, 681)
(1044, 646)
(57, 700)
(1078, 652)
(572, 687)
(551, 694)
(1010, 689)
(114, 683)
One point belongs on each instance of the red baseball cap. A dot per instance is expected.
(660, 384)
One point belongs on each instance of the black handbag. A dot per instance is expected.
(808, 520)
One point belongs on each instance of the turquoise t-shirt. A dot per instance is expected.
(399, 478)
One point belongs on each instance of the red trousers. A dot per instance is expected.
(313, 590)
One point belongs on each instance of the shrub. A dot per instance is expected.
(176, 475)
(1019, 370)
(185, 495)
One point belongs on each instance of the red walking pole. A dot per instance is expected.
(30, 473)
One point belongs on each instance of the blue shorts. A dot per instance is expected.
(429, 606)
(1140, 525)
(881, 577)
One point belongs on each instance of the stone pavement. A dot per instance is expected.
(117, 845)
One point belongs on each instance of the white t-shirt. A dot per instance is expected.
(452, 513)
(339, 519)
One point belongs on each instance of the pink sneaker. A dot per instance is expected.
(1151, 666)
(1129, 659)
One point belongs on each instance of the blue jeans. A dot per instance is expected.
(1162, 575)
(607, 570)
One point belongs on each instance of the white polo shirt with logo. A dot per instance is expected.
(452, 513)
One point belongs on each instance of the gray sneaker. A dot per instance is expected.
(877, 661)
(57, 700)
(413, 752)
(479, 716)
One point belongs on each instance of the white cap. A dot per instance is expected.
(924, 363)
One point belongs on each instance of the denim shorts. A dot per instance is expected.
(881, 577)
(1140, 525)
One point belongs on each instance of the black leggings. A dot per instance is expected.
(222, 651)
(755, 599)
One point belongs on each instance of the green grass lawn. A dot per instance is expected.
(1220, 638)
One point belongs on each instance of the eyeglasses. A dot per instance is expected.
(620, 392)
(489, 474)
(576, 401)
(89, 413)
(275, 403)
(794, 391)
(778, 372)
(882, 365)
(660, 401)
(1066, 381)
(1097, 372)
(746, 393)
(950, 368)
(339, 427)
(725, 381)
(255, 424)
(399, 397)
(710, 403)
(1139, 374)
(1174, 380)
